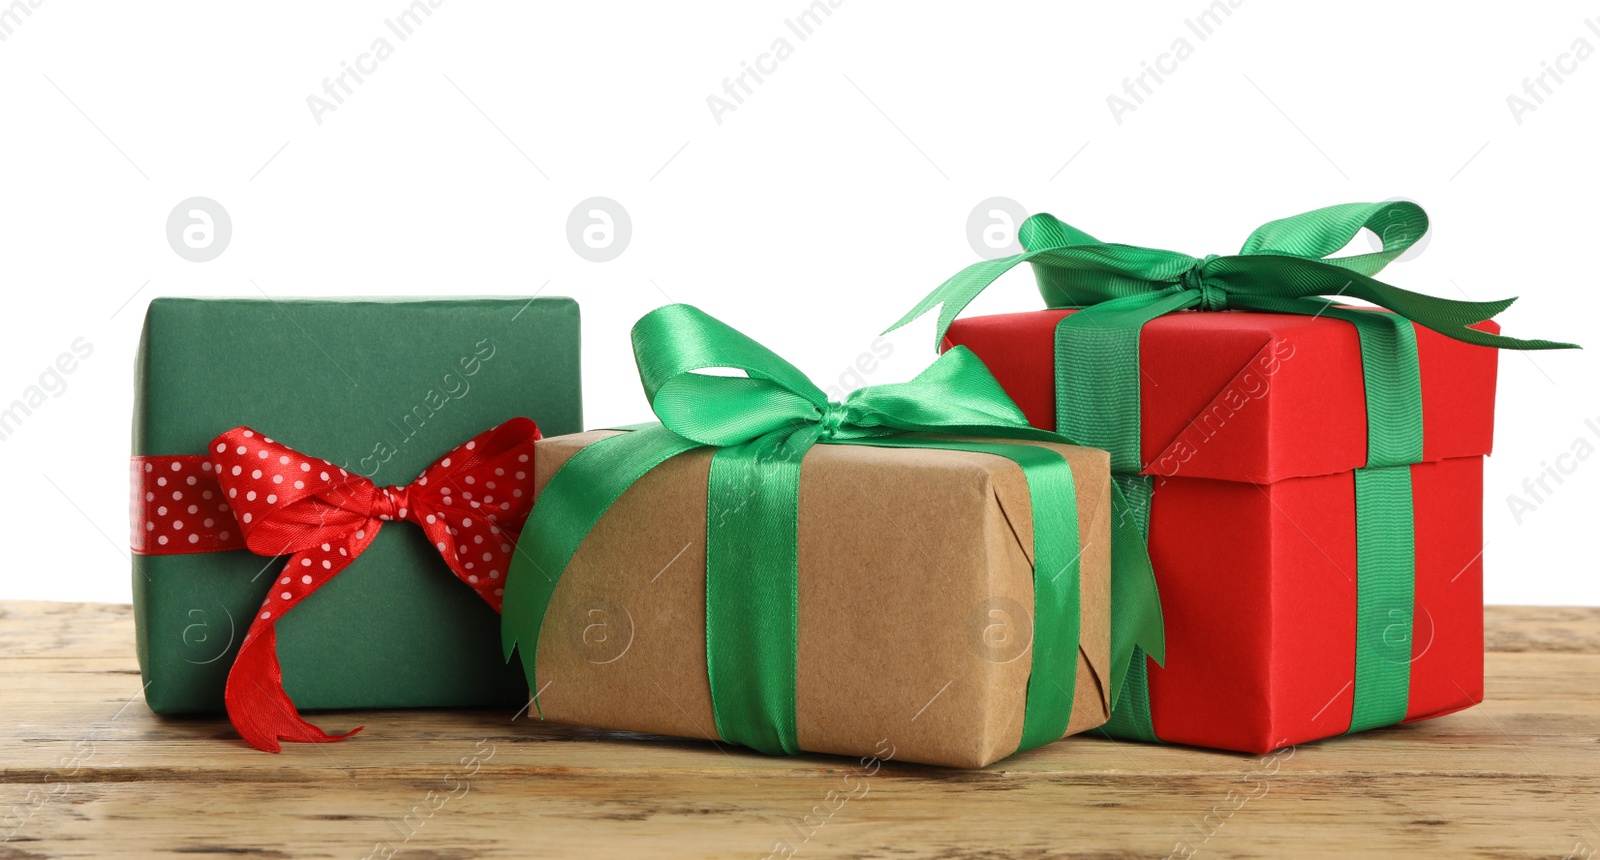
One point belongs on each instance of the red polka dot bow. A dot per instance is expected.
(470, 503)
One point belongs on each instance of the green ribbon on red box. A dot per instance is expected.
(1286, 266)
(762, 424)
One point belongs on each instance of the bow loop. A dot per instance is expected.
(956, 391)
(679, 340)
(676, 344)
(286, 501)
(673, 343)
(727, 410)
(1321, 233)
(472, 502)
(1047, 231)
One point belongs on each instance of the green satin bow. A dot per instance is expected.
(762, 424)
(674, 343)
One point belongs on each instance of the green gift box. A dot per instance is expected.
(382, 388)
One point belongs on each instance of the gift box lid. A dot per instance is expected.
(381, 387)
(1246, 396)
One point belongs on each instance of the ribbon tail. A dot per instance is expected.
(258, 707)
(1136, 619)
(957, 292)
(1278, 284)
(569, 507)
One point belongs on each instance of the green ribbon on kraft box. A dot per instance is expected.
(761, 426)
(1284, 267)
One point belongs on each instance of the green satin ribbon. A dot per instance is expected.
(762, 424)
(1285, 261)
(1286, 266)
(1130, 717)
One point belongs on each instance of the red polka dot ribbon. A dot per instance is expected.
(262, 495)
(178, 507)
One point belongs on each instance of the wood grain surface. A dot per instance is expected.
(87, 771)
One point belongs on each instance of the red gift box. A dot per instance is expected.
(1252, 425)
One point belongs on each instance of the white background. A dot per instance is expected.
(810, 217)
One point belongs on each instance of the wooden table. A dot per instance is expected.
(88, 771)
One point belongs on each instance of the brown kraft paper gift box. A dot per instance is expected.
(915, 603)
